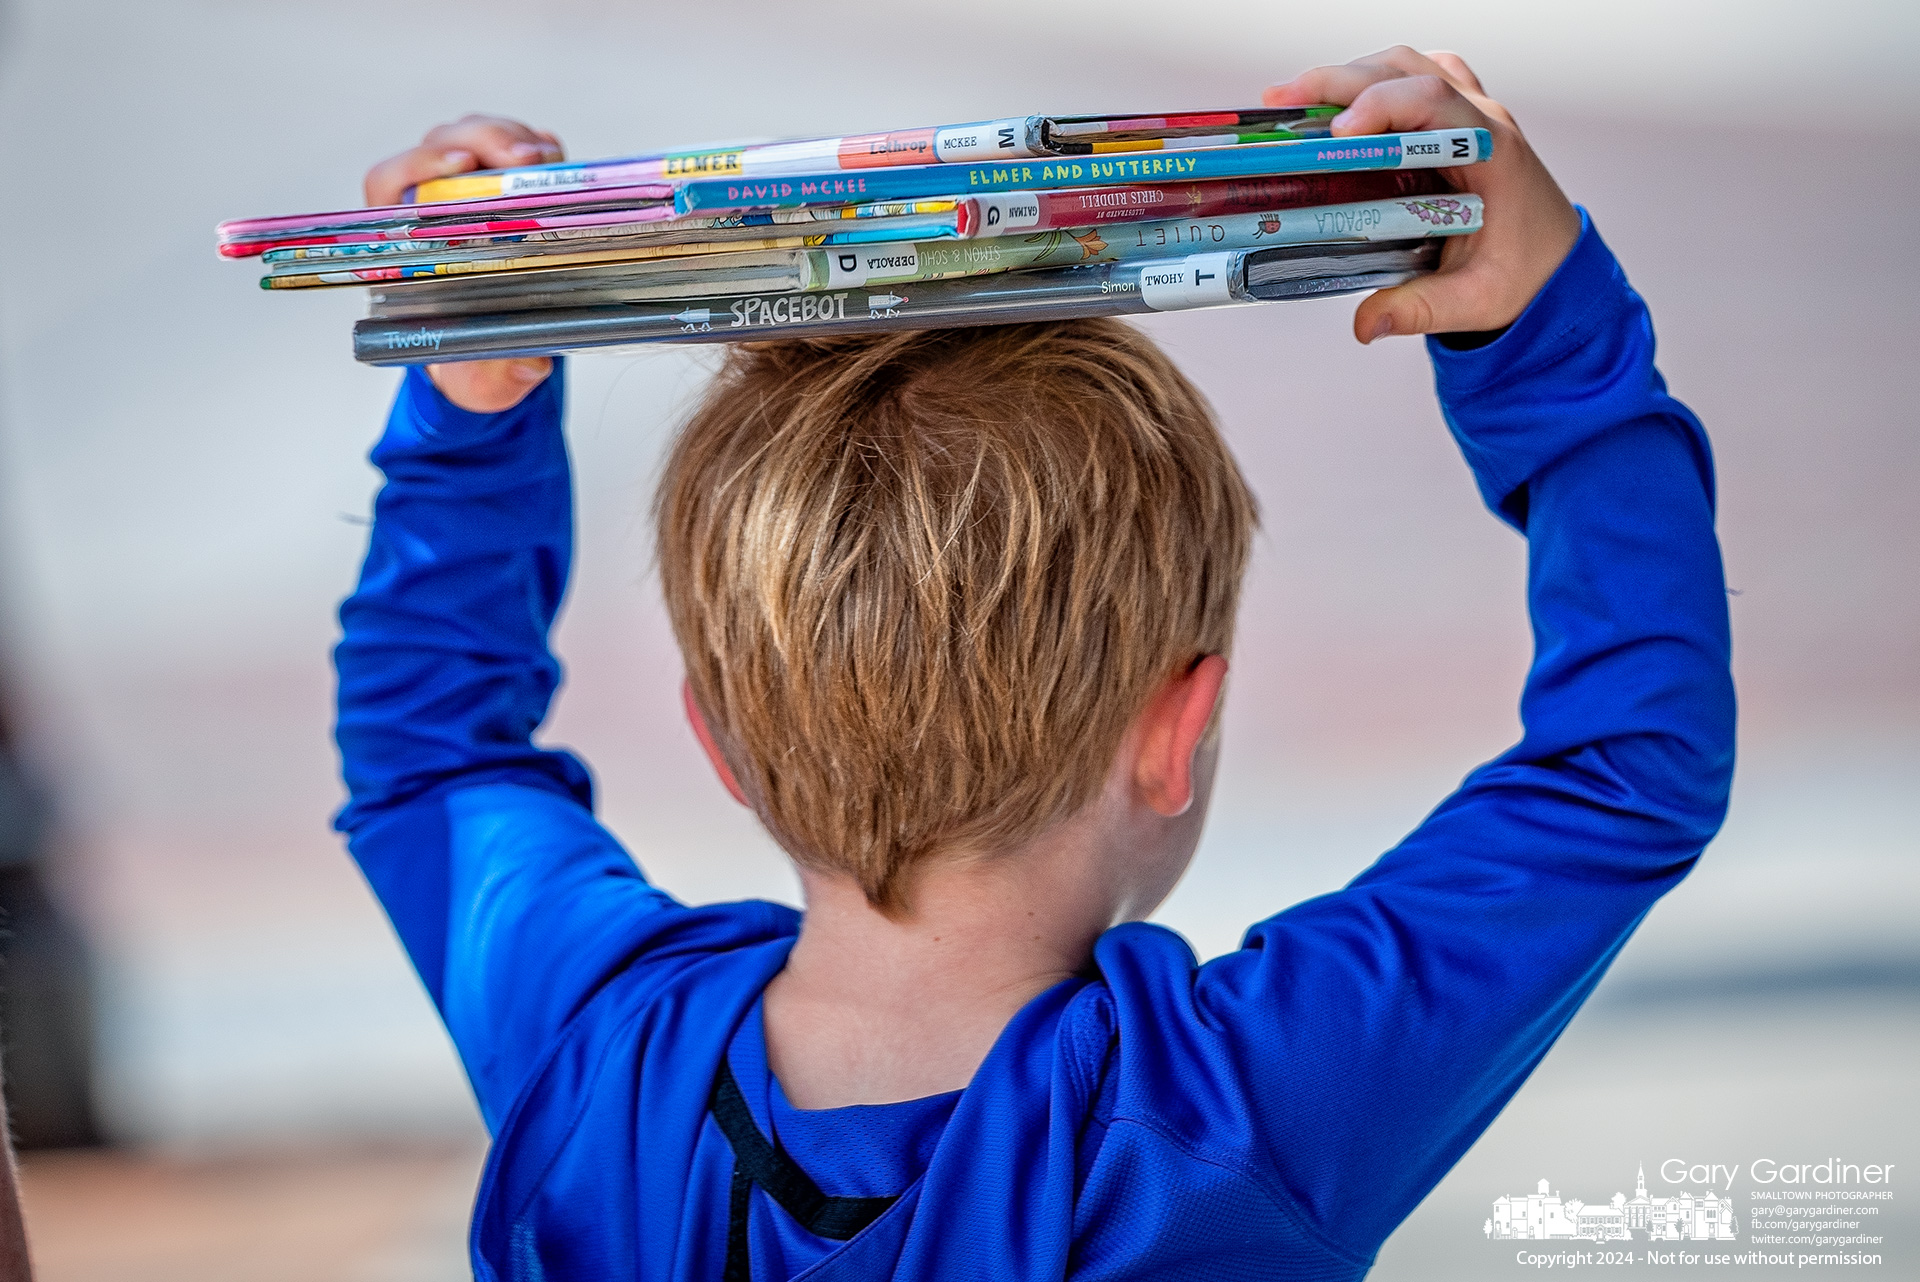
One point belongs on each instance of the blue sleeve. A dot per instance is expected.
(444, 668)
(1356, 1045)
(511, 901)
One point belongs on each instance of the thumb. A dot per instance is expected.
(488, 387)
(1424, 305)
(389, 180)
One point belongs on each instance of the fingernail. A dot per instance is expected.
(528, 150)
(1382, 328)
(527, 371)
(457, 159)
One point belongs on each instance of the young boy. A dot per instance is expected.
(955, 609)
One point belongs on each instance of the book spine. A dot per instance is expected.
(1187, 142)
(564, 177)
(980, 141)
(1199, 280)
(771, 272)
(241, 230)
(440, 269)
(777, 272)
(1329, 286)
(1068, 137)
(304, 258)
(984, 140)
(1289, 271)
(646, 219)
(1432, 149)
(1299, 120)
(1090, 207)
(1015, 138)
(1374, 220)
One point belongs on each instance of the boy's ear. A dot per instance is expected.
(705, 736)
(1171, 727)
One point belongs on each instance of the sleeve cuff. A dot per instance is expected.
(1577, 361)
(425, 420)
(1576, 300)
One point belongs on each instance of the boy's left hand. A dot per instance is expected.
(469, 143)
(1486, 279)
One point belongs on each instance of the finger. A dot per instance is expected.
(1457, 72)
(1461, 77)
(387, 181)
(1404, 59)
(498, 142)
(1339, 85)
(1411, 62)
(1407, 104)
(1351, 78)
(488, 387)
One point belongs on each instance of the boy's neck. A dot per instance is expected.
(872, 1008)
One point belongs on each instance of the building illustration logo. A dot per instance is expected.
(1693, 1217)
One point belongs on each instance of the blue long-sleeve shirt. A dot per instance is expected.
(1271, 1114)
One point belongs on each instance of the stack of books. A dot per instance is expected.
(1030, 218)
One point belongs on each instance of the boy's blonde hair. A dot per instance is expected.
(923, 582)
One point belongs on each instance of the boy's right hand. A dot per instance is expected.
(1487, 279)
(469, 143)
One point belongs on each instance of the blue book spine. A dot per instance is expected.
(1435, 149)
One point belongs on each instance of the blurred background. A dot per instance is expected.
(217, 1049)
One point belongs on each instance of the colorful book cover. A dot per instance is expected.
(1198, 280)
(1013, 138)
(1427, 150)
(1092, 206)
